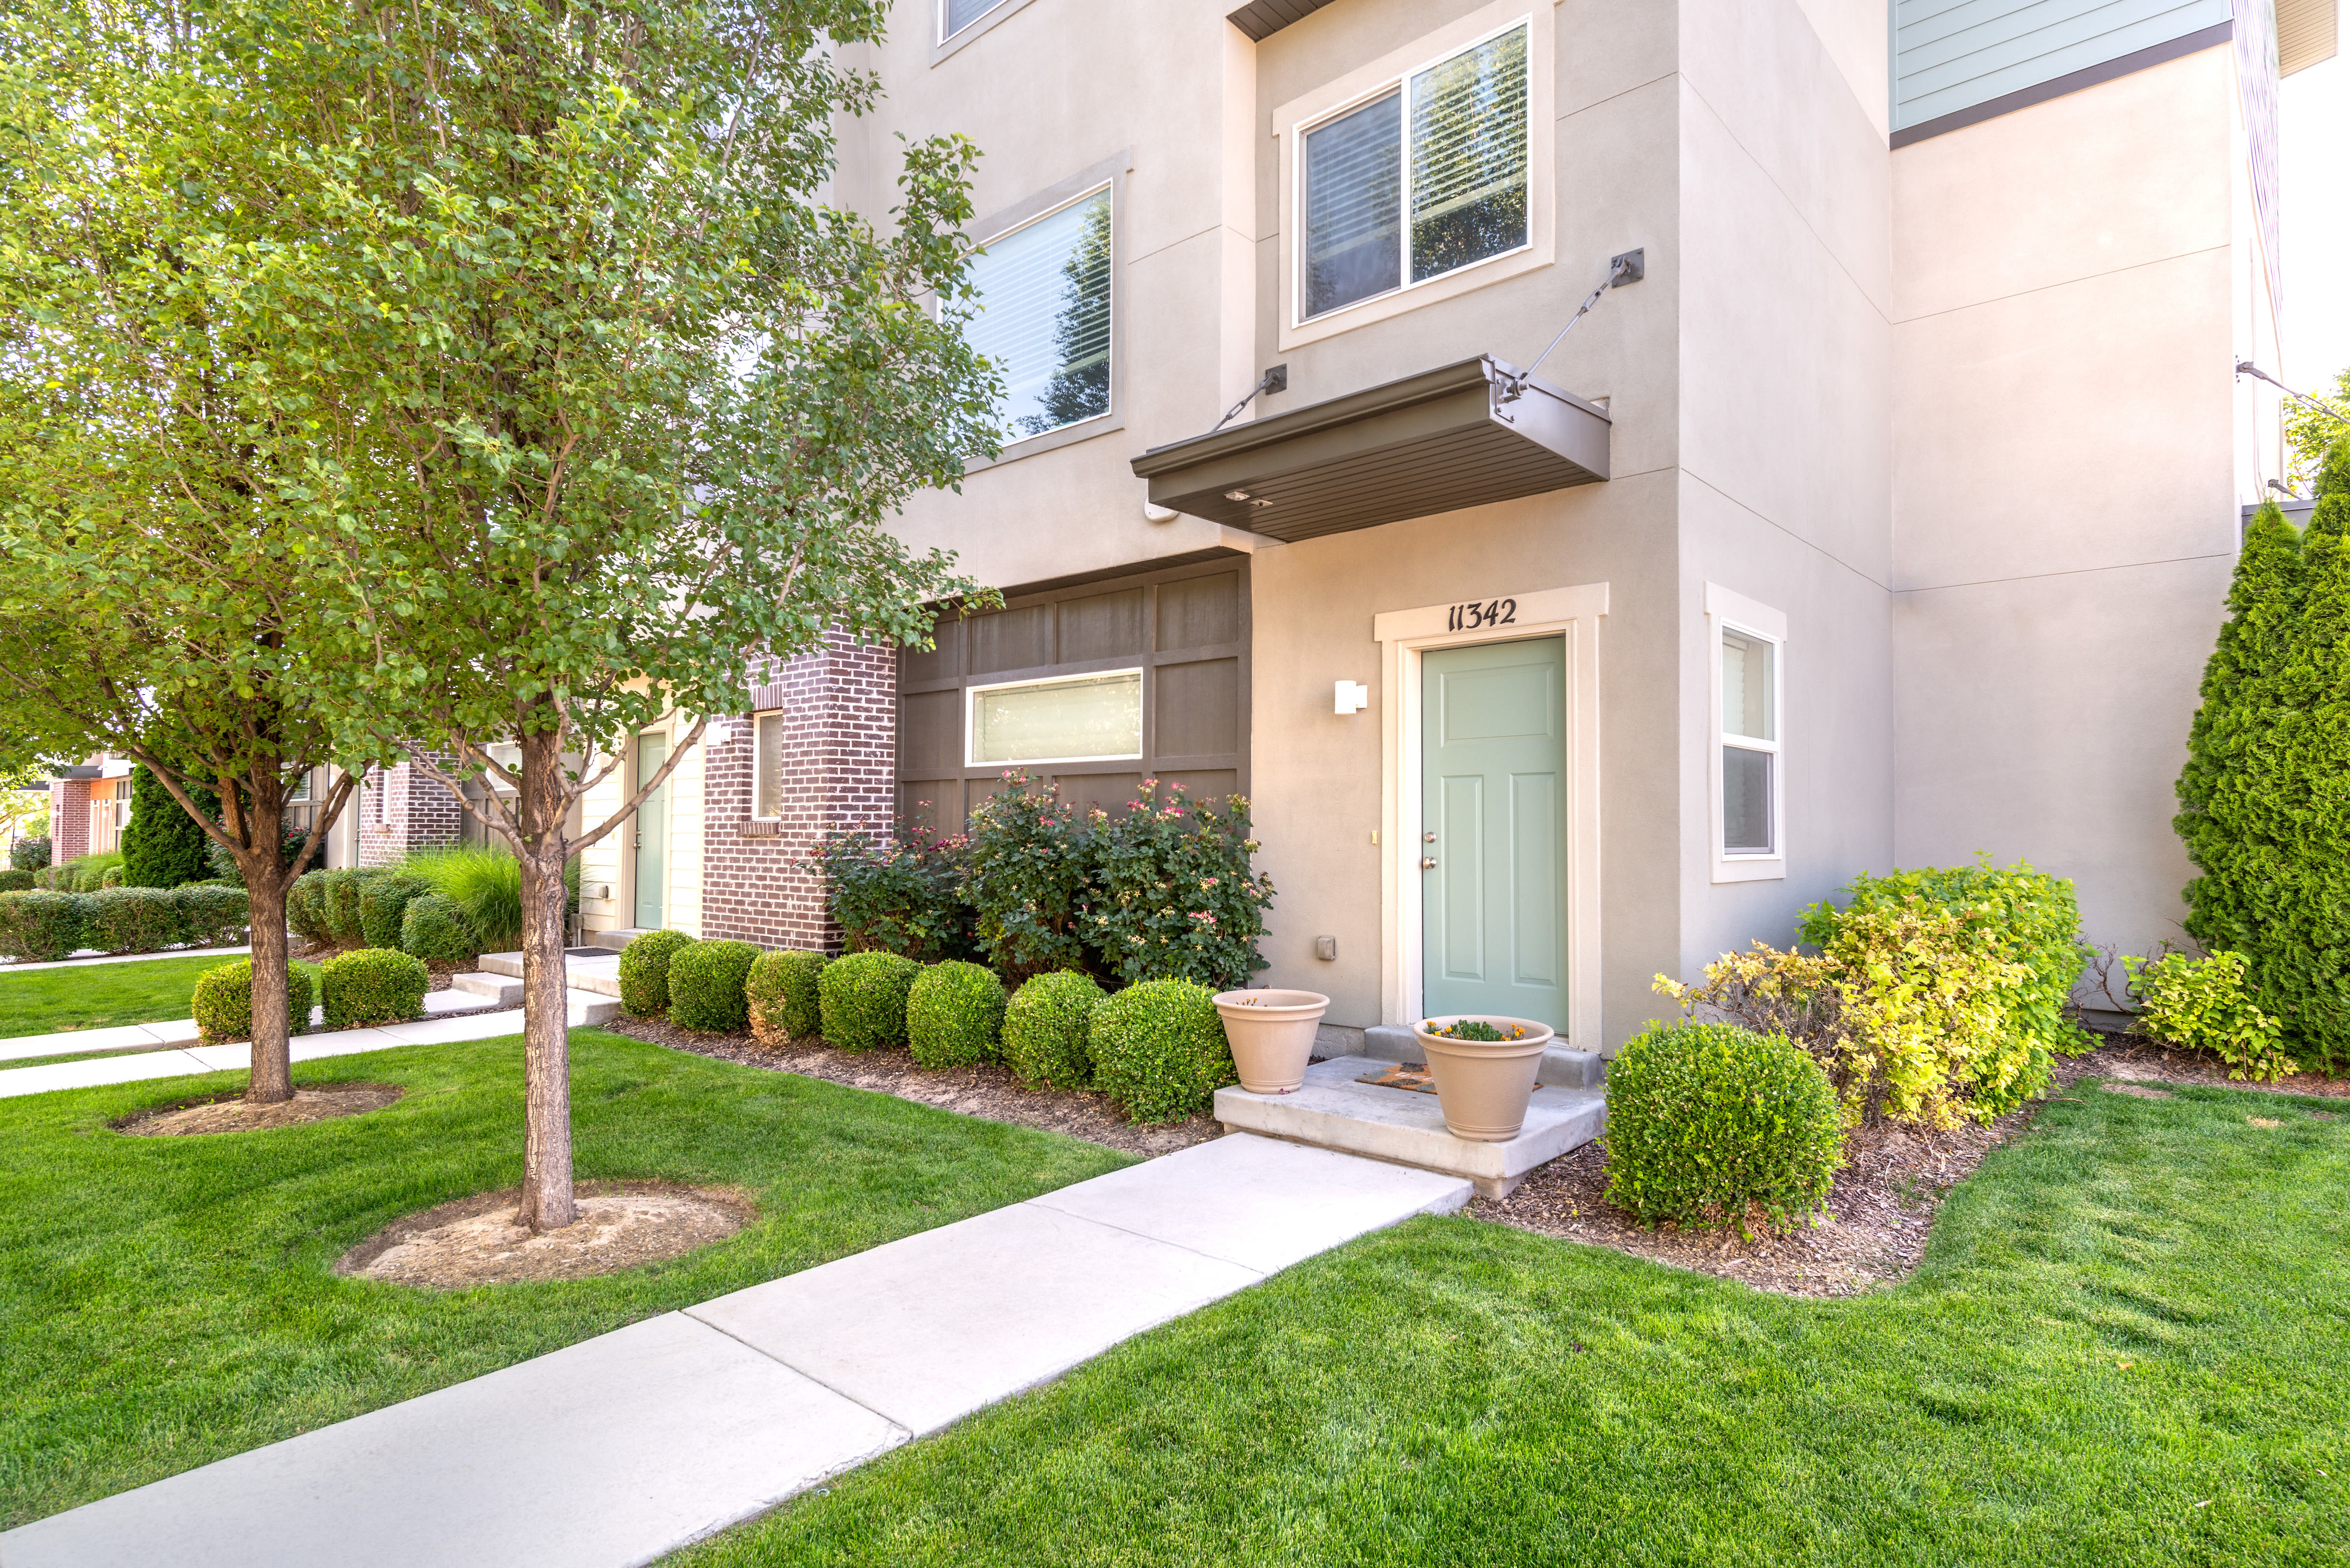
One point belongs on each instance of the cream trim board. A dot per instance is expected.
(1727, 609)
(1292, 120)
(1573, 615)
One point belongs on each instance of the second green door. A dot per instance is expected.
(651, 834)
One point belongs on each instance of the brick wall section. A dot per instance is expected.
(839, 706)
(400, 810)
(68, 820)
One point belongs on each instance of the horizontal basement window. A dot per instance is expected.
(1433, 442)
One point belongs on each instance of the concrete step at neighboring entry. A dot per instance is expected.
(1560, 1066)
(614, 942)
(583, 969)
(503, 990)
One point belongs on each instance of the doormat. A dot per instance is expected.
(1414, 1077)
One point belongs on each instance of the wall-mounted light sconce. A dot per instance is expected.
(1352, 697)
(718, 733)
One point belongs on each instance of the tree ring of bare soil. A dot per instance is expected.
(477, 1241)
(235, 1114)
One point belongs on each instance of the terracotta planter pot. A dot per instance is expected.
(1483, 1084)
(1272, 1036)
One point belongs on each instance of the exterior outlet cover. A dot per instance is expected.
(1352, 697)
(1326, 949)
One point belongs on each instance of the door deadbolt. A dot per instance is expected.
(1428, 862)
(1428, 838)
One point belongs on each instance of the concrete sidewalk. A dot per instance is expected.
(90, 958)
(618, 1450)
(182, 1031)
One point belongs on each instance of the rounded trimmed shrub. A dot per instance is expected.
(110, 877)
(644, 972)
(1710, 1123)
(705, 986)
(338, 903)
(781, 992)
(215, 916)
(954, 1014)
(862, 999)
(434, 928)
(15, 881)
(1158, 1050)
(372, 985)
(30, 854)
(223, 1004)
(1045, 1030)
(39, 926)
(305, 914)
(131, 919)
(383, 903)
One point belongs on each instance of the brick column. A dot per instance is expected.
(68, 820)
(400, 810)
(838, 708)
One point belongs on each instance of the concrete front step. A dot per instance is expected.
(613, 941)
(503, 990)
(583, 969)
(1563, 1068)
(1332, 1110)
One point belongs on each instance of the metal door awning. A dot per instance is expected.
(1464, 435)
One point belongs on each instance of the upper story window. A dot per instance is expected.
(1043, 297)
(1426, 178)
(955, 15)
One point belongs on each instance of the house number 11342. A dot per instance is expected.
(1493, 612)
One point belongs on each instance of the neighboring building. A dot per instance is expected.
(1884, 518)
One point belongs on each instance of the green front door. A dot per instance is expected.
(1493, 830)
(651, 836)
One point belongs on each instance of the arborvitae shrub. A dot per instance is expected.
(372, 985)
(383, 903)
(1708, 1124)
(1046, 1027)
(435, 930)
(306, 912)
(782, 998)
(954, 1014)
(223, 1003)
(862, 996)
(705, 986)
(1158, 1050)
(644, 972)
(163, 846)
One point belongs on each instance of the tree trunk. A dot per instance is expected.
(546, 1196)
(271, 1080)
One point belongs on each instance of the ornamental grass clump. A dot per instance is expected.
(644, 972)
(435, 930)
(1713, 1125)
(2206, 1005)
(1158, 1050)
(1170, 894)
(862, 996)
(954, 1015)
(485, 882)
(223, 1002)
(705, 986)
(372, 985)
(1046, 1029)
(780, 994)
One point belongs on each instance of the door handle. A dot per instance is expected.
(1428, 862)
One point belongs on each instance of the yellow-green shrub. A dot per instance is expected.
(2206, 1005)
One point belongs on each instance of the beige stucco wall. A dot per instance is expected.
(2065, 479)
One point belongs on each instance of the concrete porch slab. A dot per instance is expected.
(610, 1453)
(1333, 1111)
(928, 1329)
(1258, 1202)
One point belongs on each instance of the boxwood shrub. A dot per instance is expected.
(383, 903)
(1045, 1030)
(40, 926)
(223, 1004)
(705, 986)
(217, 915)
(15, 881)
(372, 985)
(644, 972)
(306, 913)
(781, 994)
(435, 930)
(132, 920)
(1710, 1123)
(954, 1014)
(862, 999)
(339, 896)
(1158, 1050)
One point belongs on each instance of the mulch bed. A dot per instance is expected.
(1874, 1230)
(988, 1090)
(232, 1114)
(475, 1240)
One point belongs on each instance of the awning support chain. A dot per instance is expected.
(1622, 269)
(1274, 381)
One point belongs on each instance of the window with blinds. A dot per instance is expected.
(955, 15)
(1425, 180)
(1044, 316)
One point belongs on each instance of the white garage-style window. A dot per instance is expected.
(1044, 291)
(1069, 718)
(1748, 786)
(767, 766)
(1427, 176)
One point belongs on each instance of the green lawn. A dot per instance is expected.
(49, 1001)
(167, 1302)
(2129, 1344)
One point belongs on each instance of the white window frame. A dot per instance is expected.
(759, 751)
(1727, 611)
(300, 794)
(1393, 72)
(943, 43)
(971, 693)
(1109, 173)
